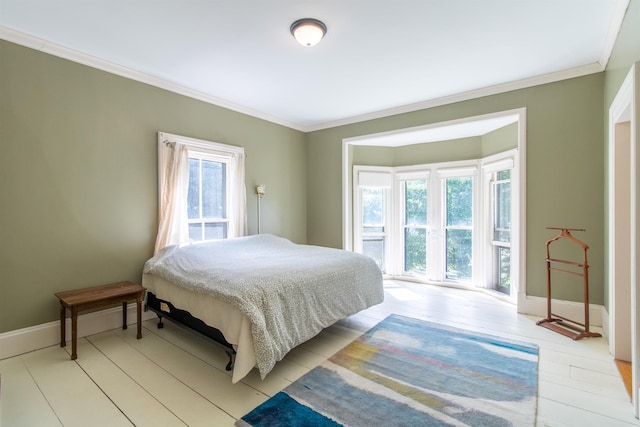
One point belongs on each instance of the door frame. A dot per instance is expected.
(624, 298)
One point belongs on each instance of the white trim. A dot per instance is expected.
(458, 172)
(60, 51)
(407, 175)
(51, 48)
(370, 178)
(490, 165)
(202, 144)
(624, 108)
(33, 338)
(347, 207)
(504, 161)
(465, 96)
(619, 107)
(537, 306)
(421, 134)
(519, 222)
(614, 29)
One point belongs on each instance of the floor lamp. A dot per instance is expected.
(260, 190)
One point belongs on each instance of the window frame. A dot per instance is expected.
(482, 261)
(490, 166)
(216, 158)
(401, 176)
(211, 151)
(444, 176)
(374, 177)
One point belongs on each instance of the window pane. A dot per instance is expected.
(195, 231)
(459, 254)
(505, 174)
(215, 230)
(415, 250)
(502, 209)
(213, 189)
(502, 236)
(374, 248)
(503, 269)
(193, 197)
(372, 206)
(459, 201)
(415, 196)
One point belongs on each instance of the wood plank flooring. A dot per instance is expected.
(625, 369)
(173, 377)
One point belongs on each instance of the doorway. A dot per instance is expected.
(623, 295)
(512, 273)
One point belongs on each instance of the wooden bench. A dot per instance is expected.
(96, 297)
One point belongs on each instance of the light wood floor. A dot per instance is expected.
(171, 377)
(625, 369)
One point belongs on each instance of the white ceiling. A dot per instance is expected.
(378, 57)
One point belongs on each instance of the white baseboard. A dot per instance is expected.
(24, 340)
(537, 306)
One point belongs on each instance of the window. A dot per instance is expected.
(373, 223)
(373, 220)
(458, 202)
(202, 194)
(415, 226)
(479, 251)
(441, 222)
(207, 198)
(501, 230)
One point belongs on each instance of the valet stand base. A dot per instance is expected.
(567, 328)
(562, 325)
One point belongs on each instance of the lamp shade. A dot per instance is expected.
(308, 31)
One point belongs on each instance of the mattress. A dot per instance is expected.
(264, 293)
(234, 325)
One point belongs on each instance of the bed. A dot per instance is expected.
(260, 295)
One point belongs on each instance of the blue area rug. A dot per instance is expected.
(408, 372)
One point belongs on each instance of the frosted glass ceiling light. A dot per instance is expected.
(308, 31)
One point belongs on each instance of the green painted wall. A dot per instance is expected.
(494, 142)
(500, 140)
(373, 156)
(78, 176)
(418, 154)
(564, 168)
(435, 152)
(78, 170)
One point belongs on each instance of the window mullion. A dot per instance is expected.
(200, 207)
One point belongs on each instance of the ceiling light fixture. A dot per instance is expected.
(308, 31)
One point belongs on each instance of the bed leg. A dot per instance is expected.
(160, 324)
(232, 359)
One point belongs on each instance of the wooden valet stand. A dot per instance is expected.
(567, 327)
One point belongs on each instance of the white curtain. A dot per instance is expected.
(237, 197)
(173, 176)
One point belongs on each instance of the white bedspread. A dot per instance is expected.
(288, 292)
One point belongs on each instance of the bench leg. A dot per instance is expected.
(74, 333)
(124, 315)
(63, 326)
(139, 319)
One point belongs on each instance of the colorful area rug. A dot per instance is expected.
(408, 372)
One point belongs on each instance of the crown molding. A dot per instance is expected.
(60, 51)
(465, 96)
(614, 29)
(46, 46)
